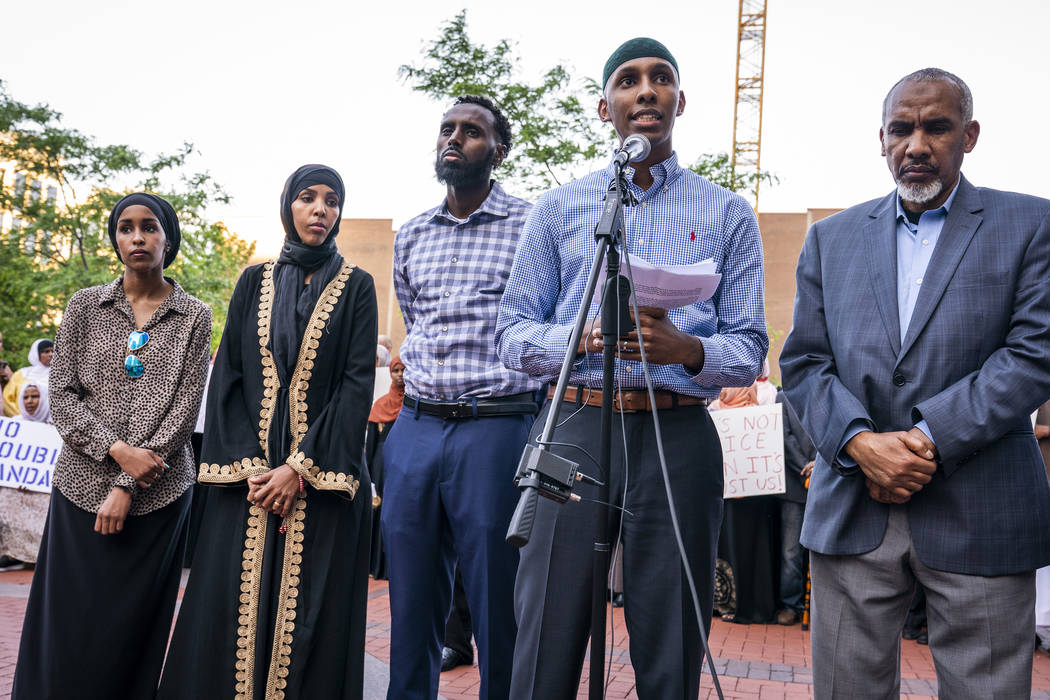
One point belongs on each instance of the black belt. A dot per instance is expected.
(515, 404)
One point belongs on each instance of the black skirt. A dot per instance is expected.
(750, 542)
(248, 578)
(100, 607)
(375, 438)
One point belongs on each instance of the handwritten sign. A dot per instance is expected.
(28, 452)
(752, 450)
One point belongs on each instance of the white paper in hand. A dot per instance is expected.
(668, 286)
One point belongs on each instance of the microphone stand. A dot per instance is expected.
(542, 473)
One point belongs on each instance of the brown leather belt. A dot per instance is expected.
(629, 400)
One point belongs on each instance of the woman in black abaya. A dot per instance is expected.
(275, 606)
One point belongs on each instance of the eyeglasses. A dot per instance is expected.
(133, 366)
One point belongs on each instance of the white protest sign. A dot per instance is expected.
(28, 452)
(752, 450)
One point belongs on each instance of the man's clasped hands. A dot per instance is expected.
(896, 464)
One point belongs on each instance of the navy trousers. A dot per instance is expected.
(449, 496)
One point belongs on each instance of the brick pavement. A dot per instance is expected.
(754, 662)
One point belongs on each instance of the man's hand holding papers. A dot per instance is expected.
(668, 286)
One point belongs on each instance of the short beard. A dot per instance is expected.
(466, 173)
(919, 194)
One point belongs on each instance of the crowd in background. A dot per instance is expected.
(761, 566)
(25, 392)
(25, 398)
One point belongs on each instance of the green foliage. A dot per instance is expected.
(57, 186)
(718, 168)
(554, 122)
(556, 137)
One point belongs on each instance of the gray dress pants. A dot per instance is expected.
(980, 627)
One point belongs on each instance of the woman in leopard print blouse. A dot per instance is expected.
(126, 383)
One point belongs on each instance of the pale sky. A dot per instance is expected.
(263, 87)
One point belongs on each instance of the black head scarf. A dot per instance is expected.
(165, 214)
(298, 181)
(294, 299)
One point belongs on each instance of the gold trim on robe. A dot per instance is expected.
(254, 466)
(255, 529)
(248, 611)
(300, 383)
(281, 656)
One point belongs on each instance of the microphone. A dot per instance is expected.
(633, 149)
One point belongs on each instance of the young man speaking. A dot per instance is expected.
(692, 351)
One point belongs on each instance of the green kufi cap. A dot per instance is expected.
(639, 47)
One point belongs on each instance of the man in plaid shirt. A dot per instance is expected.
(451, 455)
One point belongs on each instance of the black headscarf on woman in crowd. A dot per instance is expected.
(295, 300)
(165, 214)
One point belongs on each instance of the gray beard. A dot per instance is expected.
(919, 194)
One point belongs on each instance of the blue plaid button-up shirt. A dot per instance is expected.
(449, 276)
(681, 219)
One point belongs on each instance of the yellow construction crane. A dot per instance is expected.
(747, 113)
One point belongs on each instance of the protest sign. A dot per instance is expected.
(752, 450)
(28, 452)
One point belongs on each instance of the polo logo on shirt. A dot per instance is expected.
(692, 235)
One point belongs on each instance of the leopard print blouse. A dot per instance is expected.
(94, 403)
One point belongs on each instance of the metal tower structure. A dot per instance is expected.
(747, 113)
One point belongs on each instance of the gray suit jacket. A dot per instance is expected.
(974, 364)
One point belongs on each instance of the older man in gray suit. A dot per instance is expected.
(920, 346)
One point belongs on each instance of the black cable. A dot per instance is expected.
(667, 489)
(573, 415)
(610, 505)
(551, 443)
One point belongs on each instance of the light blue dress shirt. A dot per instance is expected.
(915, 246)
(681, 219)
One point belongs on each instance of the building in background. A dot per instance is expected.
(782, 238)
(19, 190)
(370, 244)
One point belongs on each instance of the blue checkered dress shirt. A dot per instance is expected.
(449, 277)
(681, 219)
